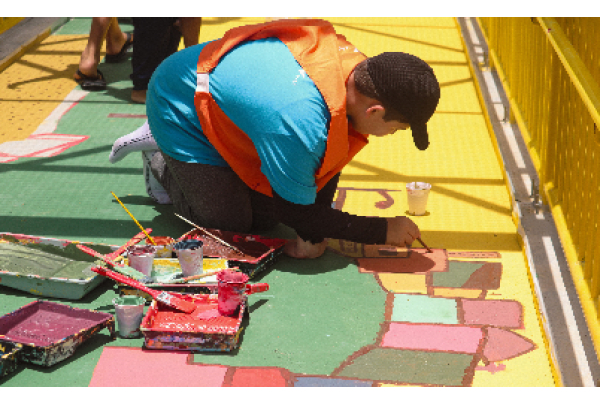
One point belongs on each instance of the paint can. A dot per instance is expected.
(141, 258)
(129, 311)
(417, 192)
(231, 291)
(189, 253)
(164, 246)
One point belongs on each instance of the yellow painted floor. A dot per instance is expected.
(469, 205)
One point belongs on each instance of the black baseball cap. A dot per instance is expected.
(407, 85)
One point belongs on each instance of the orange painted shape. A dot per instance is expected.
(134, 367)
(404, 283)
(457, 292)
(258, 377)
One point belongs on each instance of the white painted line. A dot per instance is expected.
(580, 357)
(49, 125)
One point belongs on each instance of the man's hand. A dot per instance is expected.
(401, 231)
(301, 249)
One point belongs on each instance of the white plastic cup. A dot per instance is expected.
(129, 311)
(141, 258)
(417, 192)
(189, 253)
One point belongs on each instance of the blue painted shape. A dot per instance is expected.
(424, 309)
(316, 382)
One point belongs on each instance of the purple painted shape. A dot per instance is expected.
(433, 337)
(314, 381)
(43, 323)
(497, 313)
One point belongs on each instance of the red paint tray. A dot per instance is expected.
(259, 253)
(51, 332)
(168, 329)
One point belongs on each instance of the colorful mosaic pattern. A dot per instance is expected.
(439, 329)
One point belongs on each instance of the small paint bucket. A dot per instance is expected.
(141, 258)
(189, 253)
(129, 311)
(164, 246)
(231, 291)
(418, 192)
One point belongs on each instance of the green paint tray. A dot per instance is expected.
(47, 266)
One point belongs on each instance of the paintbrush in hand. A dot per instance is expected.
(204, 230)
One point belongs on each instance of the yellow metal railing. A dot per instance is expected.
(549, 70)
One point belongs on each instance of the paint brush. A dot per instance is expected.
(186, 279)
(133, 218)
(204, 230)
(424, 245)
(160, 296)
(116, 254)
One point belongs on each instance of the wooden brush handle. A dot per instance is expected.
(257, 287)
(137, 238)
(126, 280)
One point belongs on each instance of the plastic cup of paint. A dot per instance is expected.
(417, 192)
(141, 258)
(129, 311)
(189, 253)
(164, 246)
(231, 291)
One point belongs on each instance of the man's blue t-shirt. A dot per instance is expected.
(266, 93)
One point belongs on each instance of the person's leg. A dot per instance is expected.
(210, 196)
(90, 57)
(190, 30)
(154, 39)
(115, 38)
(138, 140)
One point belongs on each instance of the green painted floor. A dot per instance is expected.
(322, 323)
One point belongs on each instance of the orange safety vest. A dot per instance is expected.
(325, 56)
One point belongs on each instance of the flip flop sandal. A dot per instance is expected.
(91, 83)
(122, 55)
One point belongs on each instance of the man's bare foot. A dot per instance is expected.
(138, 96)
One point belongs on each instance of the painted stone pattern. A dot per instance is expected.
(437, 329)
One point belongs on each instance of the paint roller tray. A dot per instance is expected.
(47, 266)
(258, 253)
(165, 270)
(167, 329)
(51, 332)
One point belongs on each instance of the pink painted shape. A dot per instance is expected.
(433, 337)
(502, 345)
(492, 368)
(497, 313)
(126, 367)
(39, 146)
